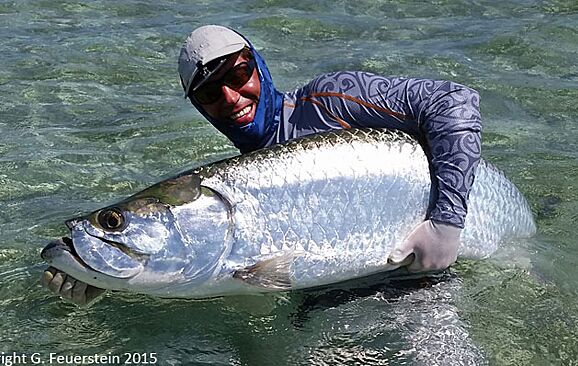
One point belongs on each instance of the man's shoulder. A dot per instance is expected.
(353, 82)
(343, 78)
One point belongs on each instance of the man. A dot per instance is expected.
(227, 80)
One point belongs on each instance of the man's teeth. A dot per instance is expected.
(241, 113)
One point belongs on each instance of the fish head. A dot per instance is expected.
(169, 235)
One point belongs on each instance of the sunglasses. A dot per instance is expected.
(235, 78)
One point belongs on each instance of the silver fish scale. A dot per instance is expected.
(496, 211)
(339, 202)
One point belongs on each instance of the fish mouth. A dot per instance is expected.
(62, 255)
(66, 244)
(85, 254)
(57, 247)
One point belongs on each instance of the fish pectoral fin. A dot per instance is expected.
(272, 274)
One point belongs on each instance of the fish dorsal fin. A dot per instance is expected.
(271, 274)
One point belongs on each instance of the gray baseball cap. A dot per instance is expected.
(205, 44)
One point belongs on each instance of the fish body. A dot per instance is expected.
(312, 211)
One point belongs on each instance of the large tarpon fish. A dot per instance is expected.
(309, 212)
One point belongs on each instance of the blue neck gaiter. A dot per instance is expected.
(254, 135)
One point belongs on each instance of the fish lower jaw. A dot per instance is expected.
(60, 255)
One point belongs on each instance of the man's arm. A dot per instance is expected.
(450, 121)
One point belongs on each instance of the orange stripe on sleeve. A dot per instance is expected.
(362, 102)
(318, 103)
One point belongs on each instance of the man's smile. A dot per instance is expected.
(242, 112)
(244, 115)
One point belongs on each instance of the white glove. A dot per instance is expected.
(69, 288)
(434, 246)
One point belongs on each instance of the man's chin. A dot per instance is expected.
(241, 123)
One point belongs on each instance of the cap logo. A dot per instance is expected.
(203, 69)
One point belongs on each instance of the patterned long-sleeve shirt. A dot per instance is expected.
(442, 115)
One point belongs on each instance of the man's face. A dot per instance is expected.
(235, 104)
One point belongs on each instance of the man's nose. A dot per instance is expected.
(231, 96)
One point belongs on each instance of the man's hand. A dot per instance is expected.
(434, 245)
(69, 288)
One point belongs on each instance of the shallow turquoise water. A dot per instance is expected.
(92, 110)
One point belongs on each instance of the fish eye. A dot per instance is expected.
(111, 219)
